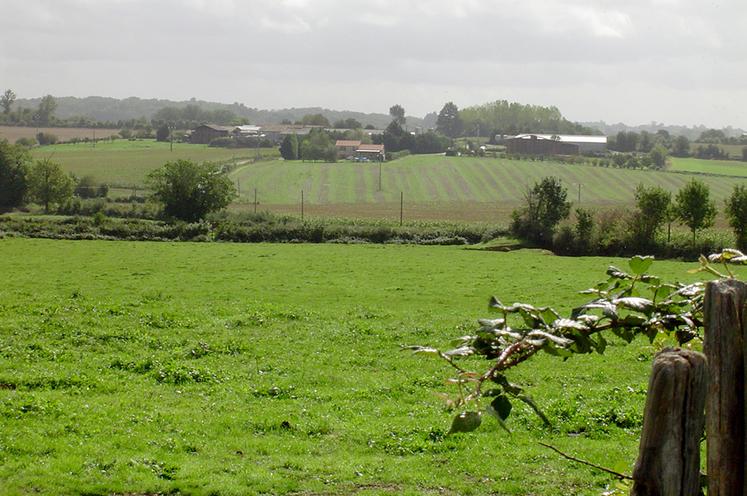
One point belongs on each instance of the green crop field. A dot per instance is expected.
(451, 187)
(699, 165)
(126, 163)
(149, 368)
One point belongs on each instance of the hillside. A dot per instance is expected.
(113, 109)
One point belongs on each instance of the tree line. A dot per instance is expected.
(614, 233)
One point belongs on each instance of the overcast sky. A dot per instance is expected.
(636, 61)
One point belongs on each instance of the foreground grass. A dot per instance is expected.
(246, 369)
(127, 163)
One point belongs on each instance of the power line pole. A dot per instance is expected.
(401, 205)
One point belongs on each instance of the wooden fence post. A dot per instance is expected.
(669, 455)
(723, 345)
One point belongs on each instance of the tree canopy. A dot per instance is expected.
(49, 184)
(397, 112)
(189, 191)
(694, 206)
(448, 121)
(14, 162)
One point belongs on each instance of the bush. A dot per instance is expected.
(46, 138)
(26, 142)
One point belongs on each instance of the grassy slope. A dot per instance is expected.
(439, 179)
(724, 167)
(306, 389)
(126, 163)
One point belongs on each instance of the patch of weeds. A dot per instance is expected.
(275, 392)
(413, 442)
(97, 466)
(161, 470)
(20, 407)
(202, 349)
(164, 320)
(141, 367)
(176, 373)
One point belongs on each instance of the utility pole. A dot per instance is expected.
(94, 137)
(579, 192)
(401, 205)
(302, 205)
(379, 173)
(255, 200)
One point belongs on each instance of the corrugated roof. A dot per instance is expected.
(565, 138)
(347, 143)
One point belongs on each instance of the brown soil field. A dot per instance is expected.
(12, 133)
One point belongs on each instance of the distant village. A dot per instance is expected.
(524, 144)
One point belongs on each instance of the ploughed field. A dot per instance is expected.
(142, 368)
(439, 187)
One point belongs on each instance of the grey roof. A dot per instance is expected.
(565, 138)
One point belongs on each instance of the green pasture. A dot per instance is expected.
(702, 166)
(232, 369)
(439, 179)
(126, 163)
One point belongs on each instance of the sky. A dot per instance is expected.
(632, 61)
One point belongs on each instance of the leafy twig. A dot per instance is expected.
(584, 462)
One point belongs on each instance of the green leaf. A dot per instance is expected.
(639, 265)
(502, 406)
(465, 422)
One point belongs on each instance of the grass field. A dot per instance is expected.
(12, 133)
(698, 165)
(455, 188)
(126, 163)
(145, 368)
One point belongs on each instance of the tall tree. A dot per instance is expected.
(48, 183)
(46, 109)
(397, 112)
(7, 100)
(653, 205)
(14, 161)
(289, 147)
(681, 147)
(448, 121)
(694, 206)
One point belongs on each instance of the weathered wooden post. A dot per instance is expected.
(669, 455)
(723, 345)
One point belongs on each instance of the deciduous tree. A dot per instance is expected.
(694, 206)
(448, 121)
(189, 191)
(397, 112)
(7, 100)
(546, 205)
(49, 184)
(653, 206)
(736, 211)
(14, 161)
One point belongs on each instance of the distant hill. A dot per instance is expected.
(691, 133)
(113, 109)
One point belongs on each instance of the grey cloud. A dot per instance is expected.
(341, 53)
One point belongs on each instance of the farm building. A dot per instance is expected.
(346, 148)
(556, 144)
(371, 151)
(276, 132)
(206, 133)
(356, 149)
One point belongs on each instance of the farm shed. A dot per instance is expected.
(371, 151)
(206, 133)
(556, 144)
(276, 132)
